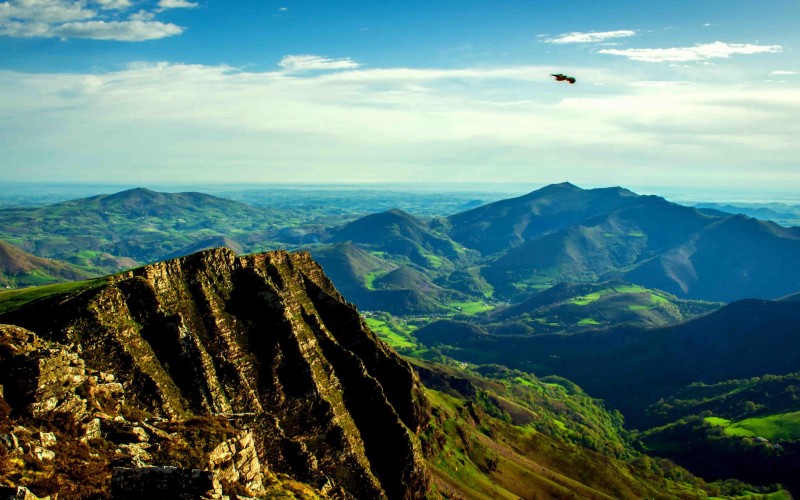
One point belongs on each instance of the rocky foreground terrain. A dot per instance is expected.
(209, 376)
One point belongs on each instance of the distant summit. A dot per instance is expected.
(508, 223)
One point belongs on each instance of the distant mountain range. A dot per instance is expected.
(133, 226)
(506, 250)
(564, 233)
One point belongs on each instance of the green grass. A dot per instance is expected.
(398, 340)
(526, 383)
(471, 307)
(636, 234)
(370, 277)
(658, 299)
(774, 427)
(629, 289)
(14, 298)
(586, 299)
(434, 261)
(639, 308)
(588, 322)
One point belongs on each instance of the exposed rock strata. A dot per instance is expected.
(265, 335)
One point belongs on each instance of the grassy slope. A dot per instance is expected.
(476, 448)
(570, 305)
(19, 268)
(727, 423)
(14, 298)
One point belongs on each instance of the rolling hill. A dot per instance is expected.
(377, 284)
(138, 225)
(401, 234)
(610, 303)
(18, 268)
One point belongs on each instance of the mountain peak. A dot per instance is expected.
(561, 186)
(399, 213)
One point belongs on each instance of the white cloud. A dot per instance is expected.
(283, 9)
(73, 19)
(44, 11)
(305, 62)
(142, 15)
(590, 37)
(216, 123)
(700, 52)
(783, 72)
(125, 31)
(113, 4)
(176, 4)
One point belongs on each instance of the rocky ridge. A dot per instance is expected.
(263, 343)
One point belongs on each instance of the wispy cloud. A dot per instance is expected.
(505, 123)
(590, 37)
(77, 19)
(700, 52)
(113, 4)
(783, 72)
(124, 31)
(306, 62)
(176, 4)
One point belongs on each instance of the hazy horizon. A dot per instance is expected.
(679, 194)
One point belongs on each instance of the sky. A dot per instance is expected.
(699, 93)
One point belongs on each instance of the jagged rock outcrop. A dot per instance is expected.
(235, 460)
(265, 335)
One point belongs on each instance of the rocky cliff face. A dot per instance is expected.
(264, 340)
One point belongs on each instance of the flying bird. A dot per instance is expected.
(564, 78)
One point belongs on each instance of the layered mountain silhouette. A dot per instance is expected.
(564, 233)
(509, 223)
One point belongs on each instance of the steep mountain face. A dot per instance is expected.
(263, 335)
(20, 268)
(509, 223)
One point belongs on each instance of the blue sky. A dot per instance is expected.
(700, 93)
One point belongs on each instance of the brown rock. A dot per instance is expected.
(266, 334)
